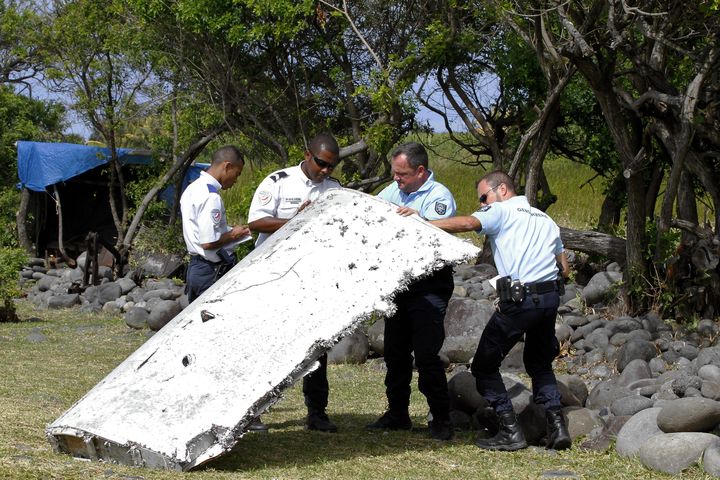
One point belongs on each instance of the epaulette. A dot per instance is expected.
(212, 188)
(335, 180)
(279, 175)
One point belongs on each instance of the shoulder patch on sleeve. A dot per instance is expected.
(264, 197)
(440, 208)
(212, 188)
(333, 179)
(485, 208)
(279, 175)
(216, 215)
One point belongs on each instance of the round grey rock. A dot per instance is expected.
(108, 292)
(65, 300)
(46, 283)
(467, 317)
(459, 349)
(694, 414)
(710, 390)
(636, 431)
(708, 356)
(136, 317)
(631, 405)
(711, 460)
(463, 393)
(581, 421)
(162, 313)
(126, 284)
(573, 390)
(635, 349)
(376, 336)
(161, 293)
(604, 393)
(707, 328)
(674, 452)
(599, 287)
(710, 373)
(682, 382)
(637, 369)
(352, 349)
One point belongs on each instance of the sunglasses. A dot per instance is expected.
(323, 164)
(483, 198)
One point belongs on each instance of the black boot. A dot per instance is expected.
(510, 436)
(558, 437)
(441, 429)
(318, 420)
(391, 421)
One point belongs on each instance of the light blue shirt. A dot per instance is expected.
(432, 200)
(524, 240)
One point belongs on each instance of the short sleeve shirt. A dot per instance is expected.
(524, 240)
(281, 193)
(203, 216)
(432, 200)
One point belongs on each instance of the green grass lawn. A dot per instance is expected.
(52, 358)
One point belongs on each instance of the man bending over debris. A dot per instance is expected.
(528, 253)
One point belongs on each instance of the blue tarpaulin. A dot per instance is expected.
(43, 164)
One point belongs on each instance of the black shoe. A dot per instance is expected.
(441, 429)
(509, 438)
(257, 426)
(320, 422)
(388, 421)
(558, 437)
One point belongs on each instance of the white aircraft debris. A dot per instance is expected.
(187, 395)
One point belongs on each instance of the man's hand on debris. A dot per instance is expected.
(406, 211)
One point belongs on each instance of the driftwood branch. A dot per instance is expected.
(594, 243)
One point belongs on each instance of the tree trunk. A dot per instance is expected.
(190, 154)
(687, 206)
(61, 242)
(20, 218)
(612, 206)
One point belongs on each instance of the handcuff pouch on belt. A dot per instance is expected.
(510, 290)
(227, 262)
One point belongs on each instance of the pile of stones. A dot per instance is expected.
(150, 305)
(647, 387)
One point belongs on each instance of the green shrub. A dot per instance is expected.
(11, 261)
(9, 203)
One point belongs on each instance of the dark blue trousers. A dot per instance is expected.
(418, 326)
(534, 317)
(316, 389)
(201, 274)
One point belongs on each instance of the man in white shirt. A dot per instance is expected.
(278, 198)
(208, 238)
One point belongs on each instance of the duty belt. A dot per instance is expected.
(516, 291)
(200, 258)
(542, 287)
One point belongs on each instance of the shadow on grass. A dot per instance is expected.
(288, 444)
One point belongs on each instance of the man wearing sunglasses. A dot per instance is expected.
(278, 198)
(528, 254)
(418, 324)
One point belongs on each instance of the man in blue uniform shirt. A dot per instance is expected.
(529, 255)
(418, 324)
